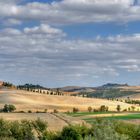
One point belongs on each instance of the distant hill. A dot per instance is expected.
(112, 85)
(135, 89)
(109, 90)
(113, 91)
(77, 89)
(91, 89)
(110, 93)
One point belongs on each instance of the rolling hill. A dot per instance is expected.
(135, 89)
(25, 101)
(106, 91)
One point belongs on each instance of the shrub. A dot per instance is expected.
(105, 130)
(27, 130)
(100, 130)
(89, 109)
(130, 130)
(118, 108)
(29, 111)
(55, 111)
(39, 111)
(70, 133)
(125, 110)
(16, 130)
(4, 128)
(45, 110)
(51, 136)
(75, 110)
(9, 108)
(95, 110)
(40, 127)
(103, 108)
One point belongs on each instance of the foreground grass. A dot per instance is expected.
(102, 129)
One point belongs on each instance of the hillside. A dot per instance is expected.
(25, 101)
(76, 89)
(109, 91)
(135, 96)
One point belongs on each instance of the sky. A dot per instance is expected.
(59, 43)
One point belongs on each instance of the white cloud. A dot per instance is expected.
(70, 11)
(44, 50)
(31, 52)
(10, 31)
(44, 29)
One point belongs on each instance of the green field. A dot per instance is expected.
(79, 114)
(125, 117)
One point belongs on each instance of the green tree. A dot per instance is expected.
(89, 109)
(70, 133)
(105, 130)
(9, 108)
(118, 108)
(103, 108)
(12, 108)
(75, 110)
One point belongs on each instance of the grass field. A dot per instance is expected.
(90, 117)
(79, 114)
(122, 117)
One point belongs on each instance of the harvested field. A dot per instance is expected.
(25, 101)
(55, 122)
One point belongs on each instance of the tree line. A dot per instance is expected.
(39, 89)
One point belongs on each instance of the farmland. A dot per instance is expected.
(25, 101)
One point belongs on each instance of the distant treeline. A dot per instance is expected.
(40, 89)
(30, 86)
(132, 101)
(8, 85)
(107, 93)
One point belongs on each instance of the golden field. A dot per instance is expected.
(25, 101)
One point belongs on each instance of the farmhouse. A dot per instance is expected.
(1, 83)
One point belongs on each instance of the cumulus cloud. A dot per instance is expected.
(71, 11)
(10, 31)
(44, 29)
(43, 51)
(31, 53)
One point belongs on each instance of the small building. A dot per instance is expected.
(1, 83)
